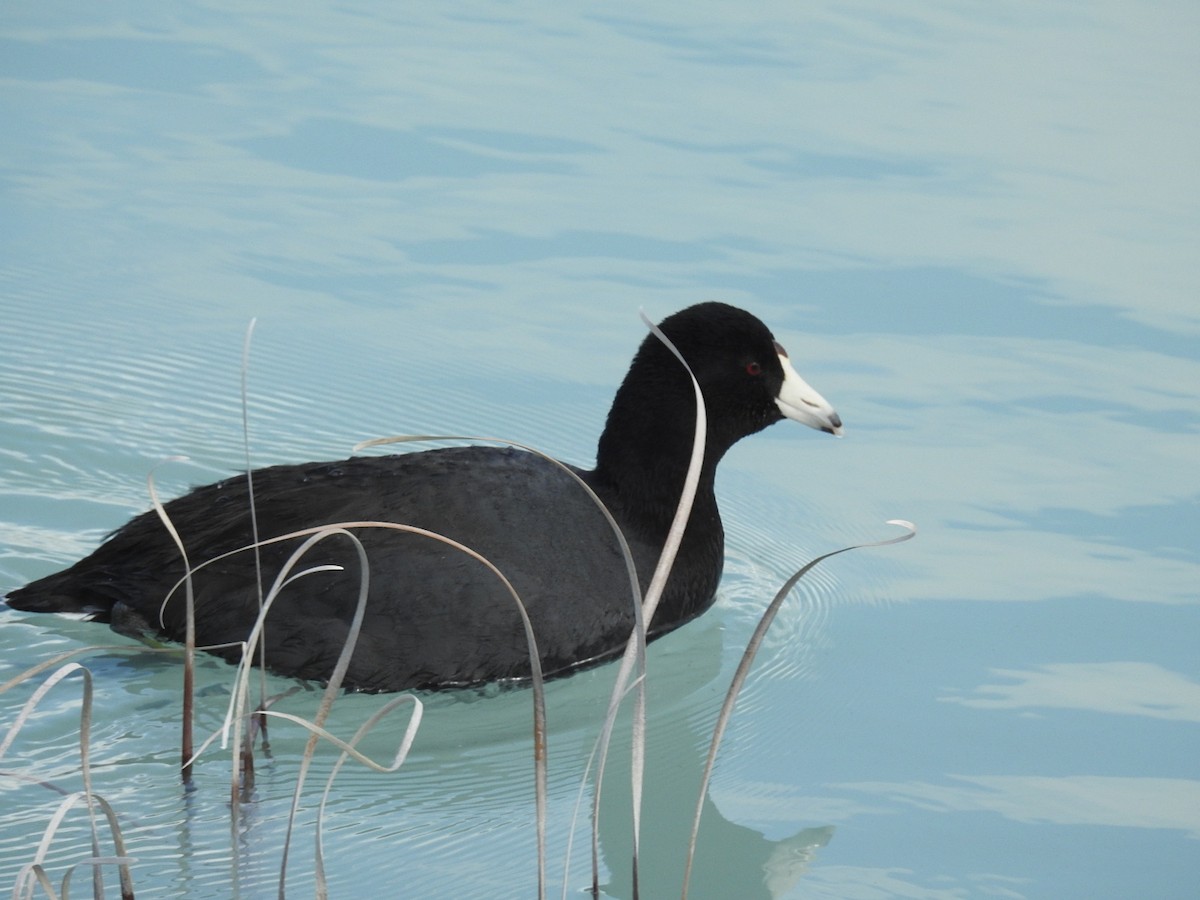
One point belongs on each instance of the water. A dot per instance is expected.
(974, 228)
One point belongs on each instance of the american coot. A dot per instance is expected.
(435, 617)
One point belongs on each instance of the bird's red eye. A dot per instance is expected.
(753, 368)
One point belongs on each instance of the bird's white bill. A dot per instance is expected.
(801, 403)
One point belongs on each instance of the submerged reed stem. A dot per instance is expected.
(186, 749)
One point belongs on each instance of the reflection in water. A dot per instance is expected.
(791, 859)
(467, 784)
(731, 860)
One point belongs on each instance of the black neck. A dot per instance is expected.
(642, 461)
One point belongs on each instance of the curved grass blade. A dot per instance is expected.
(349, 750)
(36, 868)
(658, 584)
(339, 669)
(41, 691)
(245, 393)
(34, 871)
(743, 670)
(635, 650)
(238, 705)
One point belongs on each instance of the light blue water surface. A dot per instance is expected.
(974, 227)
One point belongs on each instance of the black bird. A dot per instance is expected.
(436, 617)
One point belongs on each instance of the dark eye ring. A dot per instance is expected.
(753, 369)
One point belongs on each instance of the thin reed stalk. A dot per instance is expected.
(186, 750)
(248, 751)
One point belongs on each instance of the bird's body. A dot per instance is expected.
(435, 616)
